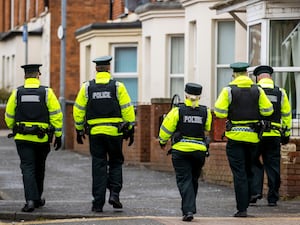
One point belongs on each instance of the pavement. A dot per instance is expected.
(148, 196)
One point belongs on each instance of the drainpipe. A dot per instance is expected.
(62, 37)
(111, 2)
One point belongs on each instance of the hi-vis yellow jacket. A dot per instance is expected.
(55, 114)
(169, 125)
(286, 115)
(241, 133)
(103, 125)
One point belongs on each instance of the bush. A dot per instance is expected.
(4, 95)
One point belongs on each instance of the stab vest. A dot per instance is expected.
(102, 101)
(274, 95)
(31, 105)
(192, 121)
(244, 103)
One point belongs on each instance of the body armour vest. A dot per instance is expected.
(274, 95)
(102, 101)
(192, 121)
(31, 105)
(244, 103)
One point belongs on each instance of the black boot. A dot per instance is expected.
(29, 206)
(115, 201)
(39, 203)
(188, 217)
(97, 208)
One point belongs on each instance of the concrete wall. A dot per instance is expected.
(158, 26)
(204, 70)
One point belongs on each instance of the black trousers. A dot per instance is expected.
(269, 149)
(33, 161)
(107, 161)
(187, 166)
(241, 156)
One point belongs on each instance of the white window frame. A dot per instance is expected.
(173, 75)
(124, 75)
(265, 47)
(219, 66)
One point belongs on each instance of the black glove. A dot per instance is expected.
(130, 135)
(285, 140)
(57, 143)
(80, 136)
(162, 145)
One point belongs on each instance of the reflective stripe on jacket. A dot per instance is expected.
(242, 132)
(103, 125)
(54, 111)
(283, 117)
(186, 144)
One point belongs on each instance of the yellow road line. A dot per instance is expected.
(215, 219)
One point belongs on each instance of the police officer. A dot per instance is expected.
(34, 114)
(242, 103)
(277, 129)
(186, 124)
(104, 104)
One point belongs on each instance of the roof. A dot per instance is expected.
(232, 6)
(105, 26)
(12, 33)
(166, 5)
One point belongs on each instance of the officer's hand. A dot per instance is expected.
(162, 146)
(285, 140)
(207, 153)
(131, 140)
(80, 136)
(57, 143)
(129, 134)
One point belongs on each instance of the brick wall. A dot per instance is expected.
(146, 151)
(216, 169)
(140, 151)
(290, 171)
(22, 13)
(2, 17)
(118, 8)
(7, 13)
(158, 158)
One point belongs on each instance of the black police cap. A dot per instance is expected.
(30, 68)
(193, 89)
(103, 60)
(263, 69)
(239, 66)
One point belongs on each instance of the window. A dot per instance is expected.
(177, 65)
(124, 67)
(225, 52)
(285, 55)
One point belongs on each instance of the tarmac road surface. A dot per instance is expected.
(149, 197)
